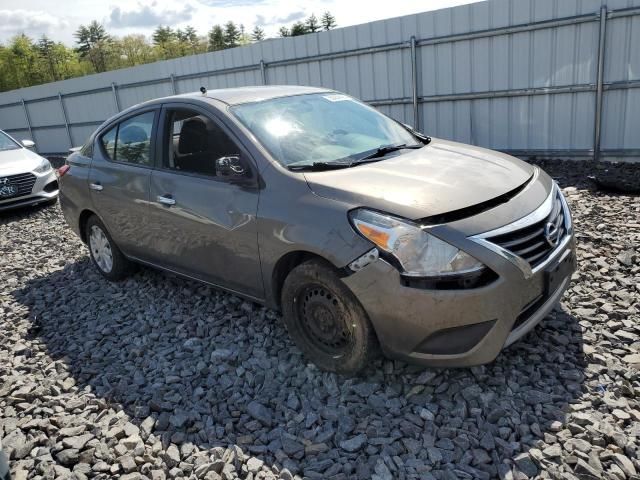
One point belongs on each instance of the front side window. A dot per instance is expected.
(7, 143)
(130, 140)
(322, 127)
(196, 142)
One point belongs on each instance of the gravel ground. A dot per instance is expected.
(158, 377)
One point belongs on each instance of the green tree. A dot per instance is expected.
(232, 35)
(312, 24)
(27, 66)
(284, 32)
(94, 44)
(190, 36)
(47, 51)
(134, 50)
(166, 40)
(216, 39)
(328, 21)
(298, 28)
(258, 34)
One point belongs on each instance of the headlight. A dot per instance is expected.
(419, 253)
(44, 166)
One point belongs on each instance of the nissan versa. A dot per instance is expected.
(362, 231)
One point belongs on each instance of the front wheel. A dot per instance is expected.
(105, 254)
(325, 319)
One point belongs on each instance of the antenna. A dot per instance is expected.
(203, 90)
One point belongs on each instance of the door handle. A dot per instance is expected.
(96, 186)
(165, 200)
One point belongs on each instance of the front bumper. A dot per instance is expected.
(464, 327)
(44, 189)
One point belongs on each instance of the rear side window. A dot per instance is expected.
(130, 140)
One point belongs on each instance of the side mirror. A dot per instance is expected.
(231, 166)
(28, 144)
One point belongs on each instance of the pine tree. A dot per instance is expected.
(284, 32)
(258, 34)
(94, 43)
(312, 24)
(298, 28)
(216, 38)
(191, 36)
(47, 51)
(164, 38)
(328, 21)
(231, 35)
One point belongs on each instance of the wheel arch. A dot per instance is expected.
(82, 222)
(284, 266)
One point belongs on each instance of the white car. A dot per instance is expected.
(26, 178)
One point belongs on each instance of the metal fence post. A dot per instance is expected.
(414, 84)
(172, 78)
(66, 119)
(114, 89)
(597, 128)
(26, 116)
(263, 72)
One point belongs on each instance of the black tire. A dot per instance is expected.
(121, 268)
(326, 320)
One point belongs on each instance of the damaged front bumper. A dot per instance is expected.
(466, 326)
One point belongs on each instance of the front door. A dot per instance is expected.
(119, 180)
(203, 225)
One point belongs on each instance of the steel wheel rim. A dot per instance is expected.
(101, 249)
(323, 320)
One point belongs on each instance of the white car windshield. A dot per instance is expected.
(321, 128)
(7, 143)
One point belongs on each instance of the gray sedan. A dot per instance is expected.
(366, 234)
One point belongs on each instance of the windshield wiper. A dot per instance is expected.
(318, 166)
(374, 156)
(383, 150)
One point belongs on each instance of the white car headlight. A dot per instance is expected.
(419, 253)
(44, 166)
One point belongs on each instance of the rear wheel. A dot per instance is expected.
(105, 254)
(325, 319)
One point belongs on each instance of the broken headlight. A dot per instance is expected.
(418, 253)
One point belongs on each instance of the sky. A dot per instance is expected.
(58, 19)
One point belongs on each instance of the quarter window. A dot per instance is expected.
(109, 142)
(87, 148)
(196, 143)
(130, 141)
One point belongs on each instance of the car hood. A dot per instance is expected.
(441, 177)
(20, 160)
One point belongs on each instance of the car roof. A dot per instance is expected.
(229, 96)
(235, 96)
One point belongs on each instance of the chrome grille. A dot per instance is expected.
(531, 242)
(24, 182)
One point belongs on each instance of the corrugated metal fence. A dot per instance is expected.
(532, 77)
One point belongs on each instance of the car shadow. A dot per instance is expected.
(214, 370)
(19, 213)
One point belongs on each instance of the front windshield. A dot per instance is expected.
(320, 127)
(6, 143)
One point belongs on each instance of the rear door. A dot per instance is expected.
(119, 179)
(203, 225)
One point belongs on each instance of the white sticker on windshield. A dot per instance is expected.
(336, 97)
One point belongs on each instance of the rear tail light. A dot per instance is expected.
(62, 170)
